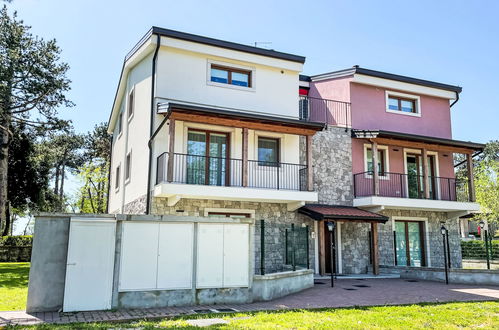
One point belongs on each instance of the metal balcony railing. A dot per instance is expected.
(221, 171)
(331, 112)
(403, 185)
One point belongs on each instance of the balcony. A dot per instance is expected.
(194, 176)
(408, 191)
(331, 112)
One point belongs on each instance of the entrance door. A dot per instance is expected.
(90, 265)
(415, 179)
(327, 252)
(409, 245)
(207, 158)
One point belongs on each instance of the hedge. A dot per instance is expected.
(476, 249)
(15, 248)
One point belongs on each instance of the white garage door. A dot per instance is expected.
(90, 264)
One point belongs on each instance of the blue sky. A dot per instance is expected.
(453, 42)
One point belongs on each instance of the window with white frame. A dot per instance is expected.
(401, 103)
(117, 177)
(131, 103)
(382, 160)
(128, 164)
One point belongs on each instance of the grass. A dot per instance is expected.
(13, 285)
(484, 315)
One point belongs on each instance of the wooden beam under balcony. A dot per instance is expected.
(421, 145)
(374, 149)
(171, 149)
(245, 157)
(222, 121)
(471, 180)
(426, 179)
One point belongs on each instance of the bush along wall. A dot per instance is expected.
(476, 249)
(15, 248)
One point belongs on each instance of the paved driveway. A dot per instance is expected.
(347, 292)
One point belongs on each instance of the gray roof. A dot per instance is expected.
(373, 73)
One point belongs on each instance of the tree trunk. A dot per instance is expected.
(4, 167)
(61, 189)
(99, 198)
(56, 184)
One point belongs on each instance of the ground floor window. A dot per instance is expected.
(409, 243)
(229, 215)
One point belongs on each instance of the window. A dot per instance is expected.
(117, 178)
(120, 123)
(381, 160)
(401, 104)
(231, 76)
(229, 215)
(128, 163)
(268, 151)
(131, 104)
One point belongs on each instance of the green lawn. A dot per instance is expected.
(484, 315)
(13, 285)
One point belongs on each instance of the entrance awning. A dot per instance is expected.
(340, 212)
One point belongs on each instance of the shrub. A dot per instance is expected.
(15, 248)
(476, 249)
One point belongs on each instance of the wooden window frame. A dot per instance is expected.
(230, 70)
(263, 162)
(422, 231)
(207, 156)
(399, 102)
(381, 160)
(229, 214)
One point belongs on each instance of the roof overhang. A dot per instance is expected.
(234, 118)
(341, 213)
(417, 140)
(393, 81)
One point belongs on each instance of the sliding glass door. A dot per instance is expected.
(207, 157)
(409, 243)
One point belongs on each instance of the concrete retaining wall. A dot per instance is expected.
(456, 276)
(272, 286)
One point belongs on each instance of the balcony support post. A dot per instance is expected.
(374, 233)
(471, 180)
(426, 182)
(310, 169)
(374, 148)
(171, 150)
(245, 158)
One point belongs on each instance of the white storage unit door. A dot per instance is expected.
(139, 254)
(175, 257)
(90, 264)
(156, 256)
(236, 255)
(222, 255)
(210, 256)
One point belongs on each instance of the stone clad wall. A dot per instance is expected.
(332, 157)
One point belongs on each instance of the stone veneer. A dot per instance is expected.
(276, 217)
(137, 206)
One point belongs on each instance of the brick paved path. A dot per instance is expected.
(377, 292)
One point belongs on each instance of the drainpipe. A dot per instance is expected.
(455, 101)
(151, 125)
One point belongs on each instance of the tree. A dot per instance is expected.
(32, 86)
(486, 178)
(92, 196)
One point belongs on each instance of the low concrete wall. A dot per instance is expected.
(457, 276)
(272, 286)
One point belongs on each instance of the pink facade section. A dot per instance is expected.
(369, 112)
